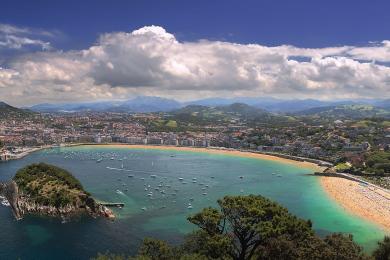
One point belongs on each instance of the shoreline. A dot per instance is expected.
(356, 199)
(362, 200)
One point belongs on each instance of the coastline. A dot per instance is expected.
(364, 201)
(358, 200)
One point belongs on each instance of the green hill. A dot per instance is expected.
(49, 190)
(50, 185)
(7, 112)
(346, 112)
(197, 114)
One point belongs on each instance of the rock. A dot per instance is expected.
(22, 204)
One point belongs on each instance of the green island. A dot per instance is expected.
(50, 185)
(49, 190)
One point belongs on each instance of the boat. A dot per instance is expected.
(130, 176)
(143, 208)
(153, 176)
(112, 158)
(241, 177)
(204, 193)
(99, 160)
(5, 203)
(180, 179)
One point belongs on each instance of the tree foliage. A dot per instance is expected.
(254, 227)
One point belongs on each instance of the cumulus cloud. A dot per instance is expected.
(151, 61)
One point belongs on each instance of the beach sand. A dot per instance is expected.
(364, 201)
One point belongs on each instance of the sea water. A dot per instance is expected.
(160, 189)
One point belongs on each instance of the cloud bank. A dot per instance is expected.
(151, 61)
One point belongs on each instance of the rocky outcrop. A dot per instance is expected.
(22, 204)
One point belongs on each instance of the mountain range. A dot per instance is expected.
(158, 104)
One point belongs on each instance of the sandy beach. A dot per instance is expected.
(367, 202)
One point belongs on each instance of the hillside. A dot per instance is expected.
(49, 190)
(7, 111)
(346, 112)
(238, 111)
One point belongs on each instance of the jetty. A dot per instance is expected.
(113, 204)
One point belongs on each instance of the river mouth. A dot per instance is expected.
(160, 189)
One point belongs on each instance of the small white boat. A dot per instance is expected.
(143, 208)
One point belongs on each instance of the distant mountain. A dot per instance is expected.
(7, 111)
(383, 103)
(138, 104)
(346, 112)
(273, 104)
(148, 104)
(157, 104)
(207, 114)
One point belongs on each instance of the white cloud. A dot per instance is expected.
(151, 61)
(12, 37)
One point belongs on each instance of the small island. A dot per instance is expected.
(46, 189)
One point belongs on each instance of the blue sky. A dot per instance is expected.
(305, 23)
(56, 51)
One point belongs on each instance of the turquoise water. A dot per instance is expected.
(129, 175)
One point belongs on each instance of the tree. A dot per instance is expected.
(249, 221)
(383, 250)
(343, 247)
(156, 249)
(253, 227)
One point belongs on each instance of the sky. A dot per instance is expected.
(72, 51)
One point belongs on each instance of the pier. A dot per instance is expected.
(113, 204)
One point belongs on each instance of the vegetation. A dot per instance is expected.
(253, 227)
(49, 185)
(10, 112)
(383, 250)
(378, 162)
